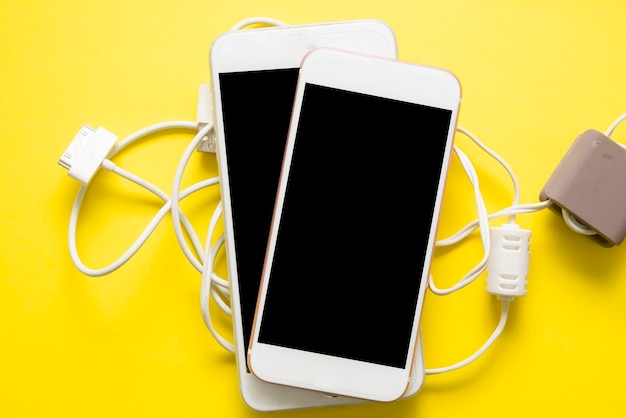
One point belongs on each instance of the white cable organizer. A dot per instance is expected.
(510, 257)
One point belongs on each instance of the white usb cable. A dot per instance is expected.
(88, 157)
(505, 249)
(507, 269)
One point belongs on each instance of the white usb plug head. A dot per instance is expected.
(204, 117)
(85, 154)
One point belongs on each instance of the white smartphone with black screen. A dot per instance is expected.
(254, 74)
(354, 225)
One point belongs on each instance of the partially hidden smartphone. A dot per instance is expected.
(354, 225)
(254, 74)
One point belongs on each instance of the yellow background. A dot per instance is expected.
(534, 73)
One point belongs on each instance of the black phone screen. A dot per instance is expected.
(355, 226)
(256, 112)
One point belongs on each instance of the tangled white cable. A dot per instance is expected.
(210, 282)
(482, 224)
(203, 255)
(109, 165)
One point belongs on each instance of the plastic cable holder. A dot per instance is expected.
(590, 183)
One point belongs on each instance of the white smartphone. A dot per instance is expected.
(354, 225)
(254, 74)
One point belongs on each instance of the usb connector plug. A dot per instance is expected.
(85, 154)
(204, 117)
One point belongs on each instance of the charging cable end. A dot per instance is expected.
(85, 154)
(204, 117)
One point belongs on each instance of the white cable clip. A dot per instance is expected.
(508, 261)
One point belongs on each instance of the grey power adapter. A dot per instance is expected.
(590, 184)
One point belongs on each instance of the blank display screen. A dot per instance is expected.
(355, 226)
(256, 111)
